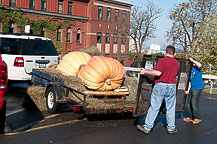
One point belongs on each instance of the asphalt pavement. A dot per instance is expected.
(66, 128)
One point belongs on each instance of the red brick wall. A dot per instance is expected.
(37, 4)
(110, 27)
(5, 2)
(79, 8)
(52, 6)
(22, 3)
(89, 29)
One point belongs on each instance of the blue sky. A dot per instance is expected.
(163, 23)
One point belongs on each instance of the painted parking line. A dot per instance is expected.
(30, 124)
(48, 117)
(51, 116)
(16, 111)
(44, 127)
(211, 98)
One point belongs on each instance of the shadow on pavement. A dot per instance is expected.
(21, 113)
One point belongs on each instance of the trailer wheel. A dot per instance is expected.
(51, 101)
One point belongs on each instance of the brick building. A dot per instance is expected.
(100, 23)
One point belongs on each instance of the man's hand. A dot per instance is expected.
(186, 92)
(143, 71)
(199, 65)
(191, 59)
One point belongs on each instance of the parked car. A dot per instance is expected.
(22, 52)
(3, 90)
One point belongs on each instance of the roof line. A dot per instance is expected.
(118, 2)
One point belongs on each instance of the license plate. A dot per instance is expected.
(42, 65)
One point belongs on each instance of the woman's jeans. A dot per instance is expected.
(162, 91)
(192, 104)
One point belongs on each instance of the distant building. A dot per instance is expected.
(100, 23)
(155, 48)
(108, 27)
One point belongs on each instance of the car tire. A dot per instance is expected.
(2, 118)
(51, 100)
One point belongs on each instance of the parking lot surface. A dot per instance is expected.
(69, 128)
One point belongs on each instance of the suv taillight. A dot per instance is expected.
(3, 77)
(19, 62)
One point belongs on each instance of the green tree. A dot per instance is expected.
(189, 22)
(207, 49)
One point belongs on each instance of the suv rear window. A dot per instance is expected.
(27, 47)
(9, 46)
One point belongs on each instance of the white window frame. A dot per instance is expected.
(60, 6)
(69, 35)
(59, 35)
(78, 36)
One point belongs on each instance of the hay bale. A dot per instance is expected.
(70, 81)
(37, 93)
(132, 85)
(92, 51)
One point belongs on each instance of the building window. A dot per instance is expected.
(108, 14)
(116, 14)
(43, 5)
(60, 6)
(11, 27)
(122, 39)
(99, 37)
(12, 3)
(78, 36)
(100, 11)
(115, 38)
(124, 15)
(59, 34)
(32, 4)
(70, 8)
(107, 38)
(69, 35)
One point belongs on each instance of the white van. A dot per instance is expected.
(23, 52)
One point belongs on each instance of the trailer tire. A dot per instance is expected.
(51, 100)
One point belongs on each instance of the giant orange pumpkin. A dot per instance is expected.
(102, 73)
(72, 62)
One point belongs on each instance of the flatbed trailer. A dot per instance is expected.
(104, 101)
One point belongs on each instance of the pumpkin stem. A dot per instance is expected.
(108, 81)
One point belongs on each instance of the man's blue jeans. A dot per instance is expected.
(192, 104)
(162, 91)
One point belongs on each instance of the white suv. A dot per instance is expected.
(23, 52)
